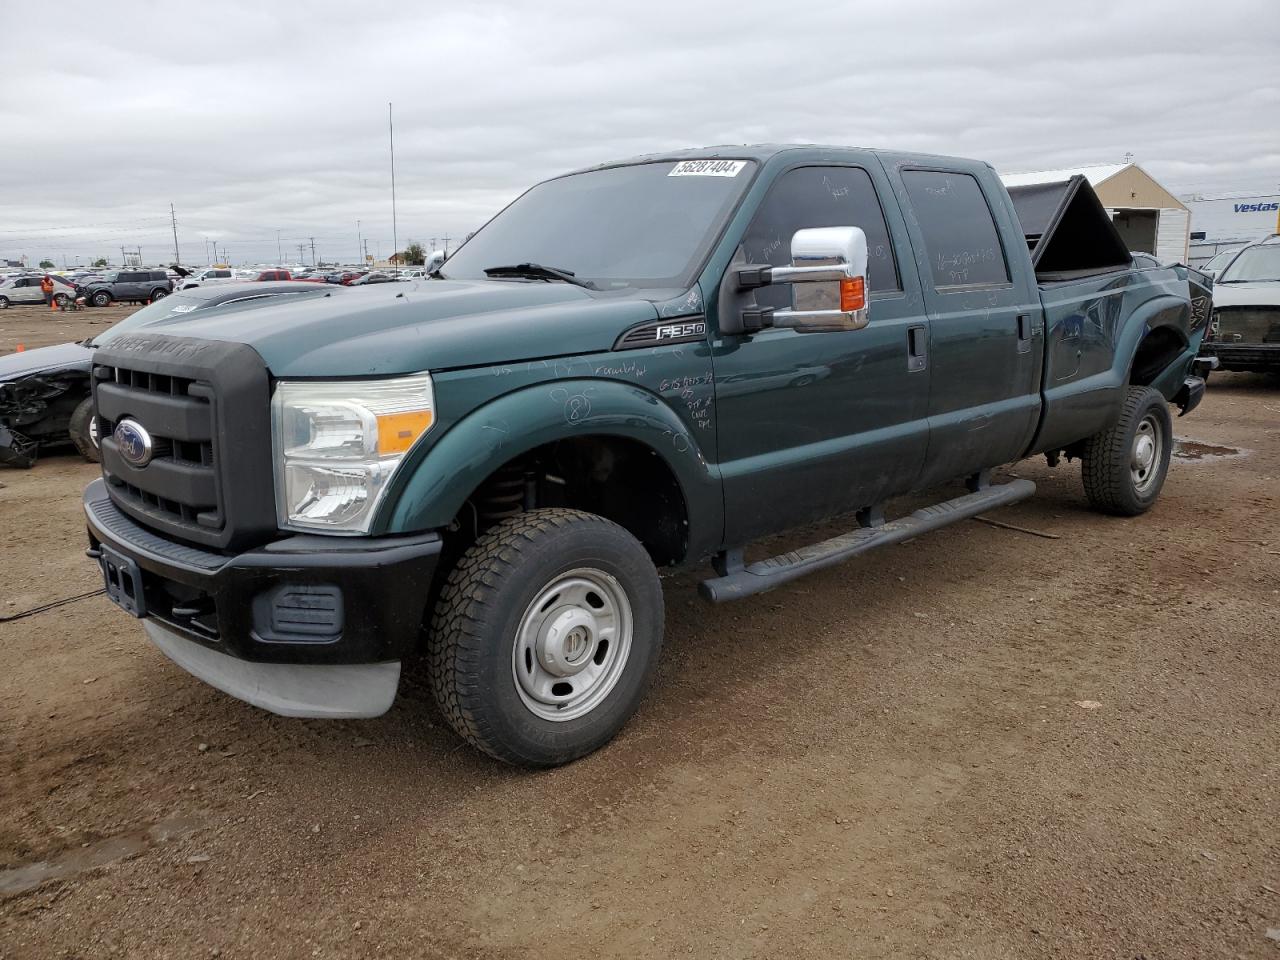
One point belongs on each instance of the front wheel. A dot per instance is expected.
(83, 429)
(100, 299)
(1125, 465)
(4, 303)
(545, 637)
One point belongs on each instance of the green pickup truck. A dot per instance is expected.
(642, 365)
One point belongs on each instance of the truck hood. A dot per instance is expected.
(398, 328)
(1254, 293)
(44, 360)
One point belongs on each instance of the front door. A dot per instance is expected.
(985, 326)
(815, 424)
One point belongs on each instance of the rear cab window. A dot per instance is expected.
(959, 231)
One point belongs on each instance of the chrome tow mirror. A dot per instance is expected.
(828, 277)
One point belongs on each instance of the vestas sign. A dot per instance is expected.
(1255, 207)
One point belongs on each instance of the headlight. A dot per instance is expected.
(337, 445)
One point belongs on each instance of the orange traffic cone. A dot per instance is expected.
(21, 348)
(53, 304)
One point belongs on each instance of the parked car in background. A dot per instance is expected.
(44, 393)
(266, 275)
(127, 286)
(27, 290)
(207, 275)
(374, 277)
(1244, 332)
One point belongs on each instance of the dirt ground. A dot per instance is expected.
(978, 744)
(32, 327)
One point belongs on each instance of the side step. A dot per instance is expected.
(767, 574)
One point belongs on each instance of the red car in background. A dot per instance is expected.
(274, 275)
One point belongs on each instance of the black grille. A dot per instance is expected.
(205, 405)
(1246, 325)
(179, 484)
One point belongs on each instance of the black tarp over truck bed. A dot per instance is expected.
(1068, 230)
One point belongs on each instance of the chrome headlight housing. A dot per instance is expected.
(337, 444)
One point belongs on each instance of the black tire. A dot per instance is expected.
(4, 303)
(79, 428)
(158, 294)
(473, 640)
(61, 299)
(1112, 481)
(100, 298)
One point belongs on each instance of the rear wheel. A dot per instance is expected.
(100, 299)
(4, 303)
(1124, 466)
(83, 429)
(61, 299)
(545, 637)
(158, 294)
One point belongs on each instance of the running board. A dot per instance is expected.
(767, 574)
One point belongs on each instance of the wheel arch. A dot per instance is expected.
(1155, 339)
(629, 440)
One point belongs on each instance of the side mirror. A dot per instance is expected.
(828, 274)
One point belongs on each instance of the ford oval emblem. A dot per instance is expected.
(133, 442)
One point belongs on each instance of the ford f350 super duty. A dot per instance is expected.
(642, 365)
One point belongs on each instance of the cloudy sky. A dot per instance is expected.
(254, 119)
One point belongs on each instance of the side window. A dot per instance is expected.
(960, 234)
(819, 197)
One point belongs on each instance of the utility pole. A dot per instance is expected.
(301, 253)
(360, 244)
(391, 131)
(365, 259)
(446, 245)
(313, 251)
(279, 255)
(122, 260)
(173, 219)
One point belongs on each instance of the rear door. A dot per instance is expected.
(815, 424)
(985, 320)
(128, 285)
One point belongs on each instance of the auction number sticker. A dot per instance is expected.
(707, 168)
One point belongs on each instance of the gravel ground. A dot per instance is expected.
(980, 743)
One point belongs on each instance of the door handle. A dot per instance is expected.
(1024, 332)
(917, 348)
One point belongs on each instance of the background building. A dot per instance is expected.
(1149, 217)
(1229, 221)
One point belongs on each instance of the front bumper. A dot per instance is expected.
(304, 601)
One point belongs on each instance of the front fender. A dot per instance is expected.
(430, 488)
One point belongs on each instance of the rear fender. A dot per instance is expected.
(431, 488)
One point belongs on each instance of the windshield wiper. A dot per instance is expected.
(536, 271)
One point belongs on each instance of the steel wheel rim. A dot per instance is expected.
(1146, 454)
(572, 644)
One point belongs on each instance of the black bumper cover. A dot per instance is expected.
(304, 599)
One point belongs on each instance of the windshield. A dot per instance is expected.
(1220, 260)
(644, 225)
(1254, 263)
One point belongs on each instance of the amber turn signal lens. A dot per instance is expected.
(397, 431)
(853, 294)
